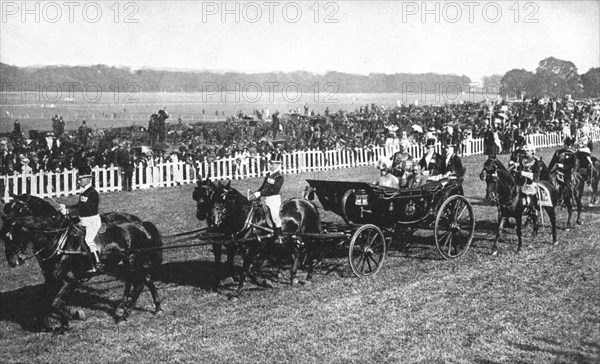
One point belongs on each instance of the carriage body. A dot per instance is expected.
(364, 203)
(379, 215)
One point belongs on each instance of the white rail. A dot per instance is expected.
(168, 174)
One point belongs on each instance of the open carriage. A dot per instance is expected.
(375, 216)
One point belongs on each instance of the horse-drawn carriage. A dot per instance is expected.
(375, 216)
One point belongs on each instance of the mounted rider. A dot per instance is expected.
(584, 156)
(87, 211)
(269, 192)
(528, 169)
(564, 161)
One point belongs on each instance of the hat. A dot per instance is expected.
(83, 176)
(530, 147)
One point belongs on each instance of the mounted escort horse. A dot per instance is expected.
(129, 247)
(564, 175)
(517, 200)
(248, 226)
(589, 169)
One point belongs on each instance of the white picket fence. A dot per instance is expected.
(108, 179)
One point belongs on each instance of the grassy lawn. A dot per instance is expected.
(541, 306)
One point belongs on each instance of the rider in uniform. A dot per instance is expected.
(87, 210)
(529, 171)
(564, 159)
(269, 192)
(584, 154)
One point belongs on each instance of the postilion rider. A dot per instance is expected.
(87, 211)
(269, 192)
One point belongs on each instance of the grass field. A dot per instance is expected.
(541, 306)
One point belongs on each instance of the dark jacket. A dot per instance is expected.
(453, 166)
(435, 165)
(87, 205)
(271, 185)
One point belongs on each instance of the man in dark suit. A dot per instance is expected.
(451, 163)
(431, 162)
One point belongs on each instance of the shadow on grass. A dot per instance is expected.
(23, 306)
(586, 353)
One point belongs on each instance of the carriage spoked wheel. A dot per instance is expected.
(367, 250)
(454, 227)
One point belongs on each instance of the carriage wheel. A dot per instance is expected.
(367, 250)
(454, 227)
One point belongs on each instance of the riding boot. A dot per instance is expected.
(97, 266)
(277, 236)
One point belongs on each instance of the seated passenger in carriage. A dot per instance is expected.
(399, 161)
(451, 164)
(269, 192)
(386, 179)
(416, 178)
(431, 162)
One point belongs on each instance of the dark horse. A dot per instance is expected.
(506, 194)
(248, 224)
(130, 247)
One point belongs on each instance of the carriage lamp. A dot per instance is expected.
(361, 199)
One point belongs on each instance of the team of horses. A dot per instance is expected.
(132, 248)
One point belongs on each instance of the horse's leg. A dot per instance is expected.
(120, 310)
(595, 180)
(58, 306)
(138, 287)
(569, 205)
(217, 252)
(578, 198)
(551, 211)
(245, 269)
(519, 220)
(231, 250)
(535, 227)
(296, 253)
(501, 220)
(149, 282)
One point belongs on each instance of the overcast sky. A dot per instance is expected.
(475, 38)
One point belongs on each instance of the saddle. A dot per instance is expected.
(529, 189)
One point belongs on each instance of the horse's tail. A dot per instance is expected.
(155, 255)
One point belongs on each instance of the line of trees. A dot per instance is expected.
(552, 78)
(148, 80)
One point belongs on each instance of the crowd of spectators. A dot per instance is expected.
(501, 125)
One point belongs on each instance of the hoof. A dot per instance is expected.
(119, 314)
(494, 253)
(267, 283)
(80, 315)
(518, 251)
(307, 282)
(555, 243)
(579, 222)
(158, 312)
(295, 281)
